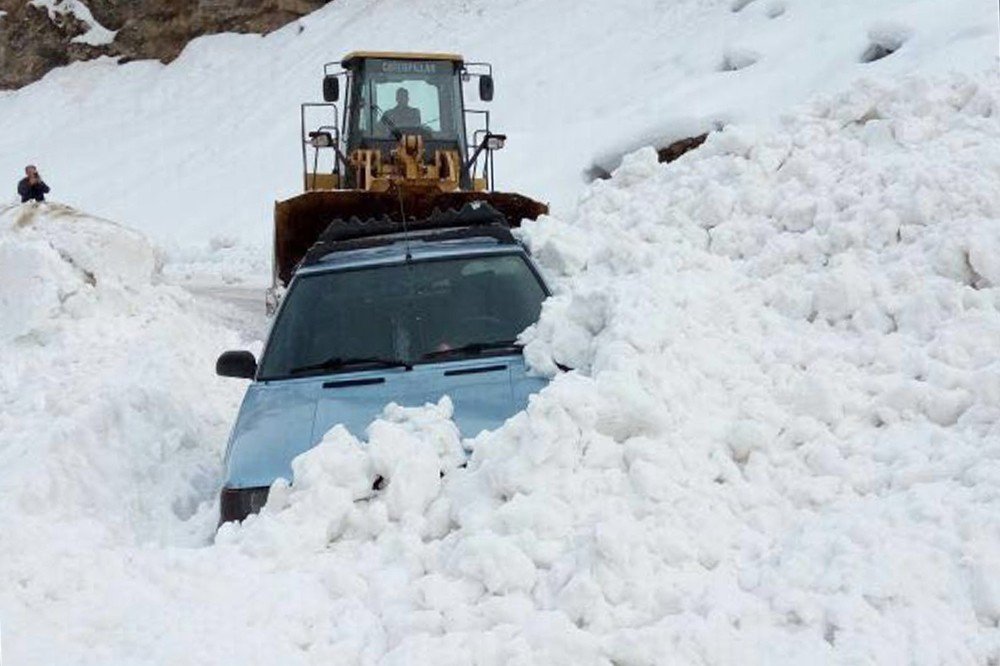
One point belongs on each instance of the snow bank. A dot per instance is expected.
(804, 325)
(112, 420)
(49, 253)
(779, 444)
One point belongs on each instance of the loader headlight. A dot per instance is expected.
(320, 139)
(238, 503)
(495, 141)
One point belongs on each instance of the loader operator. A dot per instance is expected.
(401, 115)
(32, 186)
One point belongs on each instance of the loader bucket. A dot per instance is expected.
(299, 221)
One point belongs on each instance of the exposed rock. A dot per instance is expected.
(34, 41)
(669, 153)
(678, 148)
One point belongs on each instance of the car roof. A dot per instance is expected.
(419, 250)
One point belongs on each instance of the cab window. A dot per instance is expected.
(424, 96)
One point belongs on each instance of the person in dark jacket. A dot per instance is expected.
(401, 115)
(32, 186)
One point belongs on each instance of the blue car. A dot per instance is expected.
(399, 317)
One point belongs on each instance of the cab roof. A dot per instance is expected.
(351, 57)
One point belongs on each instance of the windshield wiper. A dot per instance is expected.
(341, 363)
(472, 349)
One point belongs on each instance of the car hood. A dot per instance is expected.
(278, 420)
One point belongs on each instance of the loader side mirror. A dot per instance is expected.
(331, 88)
(240, 364)
(486, 88)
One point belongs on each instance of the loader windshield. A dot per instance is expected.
(408, 96)
(422, 311)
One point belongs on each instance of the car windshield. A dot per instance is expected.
(384, 316)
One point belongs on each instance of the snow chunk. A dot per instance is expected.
(49, 254)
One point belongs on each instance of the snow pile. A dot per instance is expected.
(804, 326)
(49, 253)
(779, 444)
(111, 417)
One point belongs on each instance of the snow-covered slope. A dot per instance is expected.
(780, 444)
(199, 150)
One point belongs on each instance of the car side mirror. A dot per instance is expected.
(240, 364)
(331, 88)
(486, 88)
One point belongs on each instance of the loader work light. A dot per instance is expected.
(320, 139)
(495, 141)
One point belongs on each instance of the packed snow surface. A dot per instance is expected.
(195, 153)
(779, 444)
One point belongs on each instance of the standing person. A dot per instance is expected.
(32, 186)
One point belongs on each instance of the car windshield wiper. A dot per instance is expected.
(472, 349)
(341, 363)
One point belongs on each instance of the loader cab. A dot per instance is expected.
(384, 96)
(390, 97)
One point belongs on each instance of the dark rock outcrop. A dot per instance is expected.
(678, 148)
(32, 42)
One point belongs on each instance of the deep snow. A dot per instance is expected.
(111, 418)
(779, 444)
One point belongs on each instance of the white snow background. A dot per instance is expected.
(780, 442)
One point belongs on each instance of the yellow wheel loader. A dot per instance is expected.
(398, 151)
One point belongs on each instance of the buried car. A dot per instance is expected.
(404, 317)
